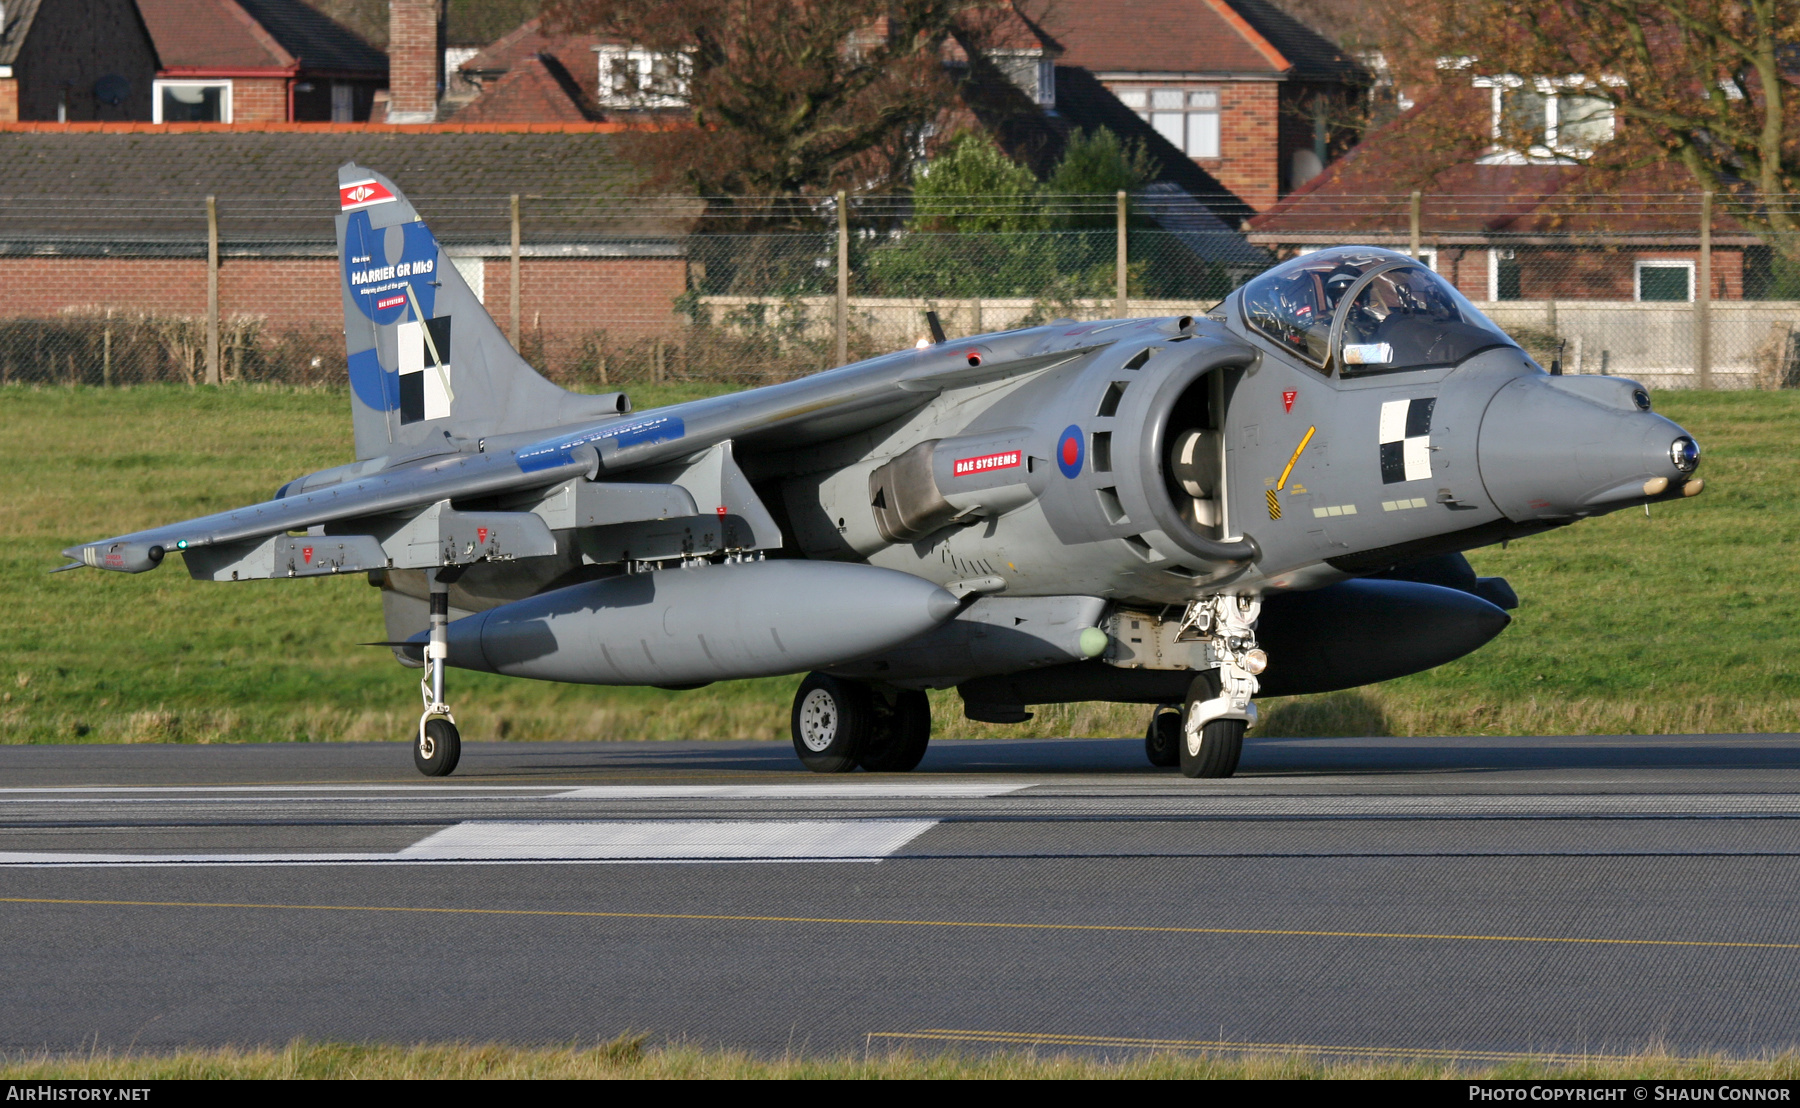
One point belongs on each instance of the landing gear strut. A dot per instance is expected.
(1219, 709)
(439, 744)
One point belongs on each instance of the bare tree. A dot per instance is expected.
(782, 97)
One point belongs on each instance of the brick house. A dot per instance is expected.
(529, 75)
(74, 60)
(258, 61)
(188, 61)
(1250, 94)
(1505, 228)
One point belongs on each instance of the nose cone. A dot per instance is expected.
(1567, 447)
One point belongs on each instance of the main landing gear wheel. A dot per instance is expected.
(438, 749)
(901, 733)
(1162, 741)
(833, 720)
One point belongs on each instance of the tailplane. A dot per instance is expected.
(427, 362)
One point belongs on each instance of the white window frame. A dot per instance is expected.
(1187, 112)
(1554, 150)
(1043, 74)
(156, 95)
(1637, 277)
(644, 62)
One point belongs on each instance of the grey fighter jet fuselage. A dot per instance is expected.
(1271, 497)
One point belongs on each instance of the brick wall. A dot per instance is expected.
(1466, 268)
(259, 100)
(46, 286)
(1552, 274)
(1249, 142)
(630, 298)
(415, 57)
(9, 99)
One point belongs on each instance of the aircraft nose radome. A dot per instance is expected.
(1561, 447)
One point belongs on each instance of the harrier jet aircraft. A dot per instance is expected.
(1183, 512)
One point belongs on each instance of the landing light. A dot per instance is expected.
(1685, 453)
(1256, 661)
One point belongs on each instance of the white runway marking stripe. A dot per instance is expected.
(735, 840)
(621, 841)
(849, 790)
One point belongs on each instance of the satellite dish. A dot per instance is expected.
(112, 89)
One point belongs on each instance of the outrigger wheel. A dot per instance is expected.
(833, 720)
(438, 749)
(1162, 740)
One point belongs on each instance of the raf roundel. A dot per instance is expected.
(1069, 452)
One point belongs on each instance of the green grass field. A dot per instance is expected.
(628, 1057)
(1683, 622)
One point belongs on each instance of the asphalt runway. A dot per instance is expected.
(1364, 898)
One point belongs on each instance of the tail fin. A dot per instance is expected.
(426, 359)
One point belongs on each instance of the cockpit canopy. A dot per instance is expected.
(1368, 310)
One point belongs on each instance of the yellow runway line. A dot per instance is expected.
(1426, 1054)
(997, 925)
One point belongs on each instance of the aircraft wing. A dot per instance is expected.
(259, 539)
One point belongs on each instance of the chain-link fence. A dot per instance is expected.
(610, 291)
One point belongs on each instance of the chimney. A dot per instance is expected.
(415, 60)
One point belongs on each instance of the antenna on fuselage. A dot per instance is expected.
(936, 325)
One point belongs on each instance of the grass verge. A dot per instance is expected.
(1681, 623)
(629, 1057)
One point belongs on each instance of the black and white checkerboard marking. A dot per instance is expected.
(1406, 440)
(424, 380)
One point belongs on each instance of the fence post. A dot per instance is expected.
(1412, 225)
(212, 290)
(841, 320)
(1120, 308)
(1703, 295)
(515, 271)
(106, 352)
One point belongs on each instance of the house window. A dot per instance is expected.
(1547, 120)
(191, 102)
(1665, 280)
(1031, 72)
(631, 77)
(1504, 275)
(1188, 118)
(343, 103)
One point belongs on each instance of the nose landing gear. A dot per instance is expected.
(1219, 709)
